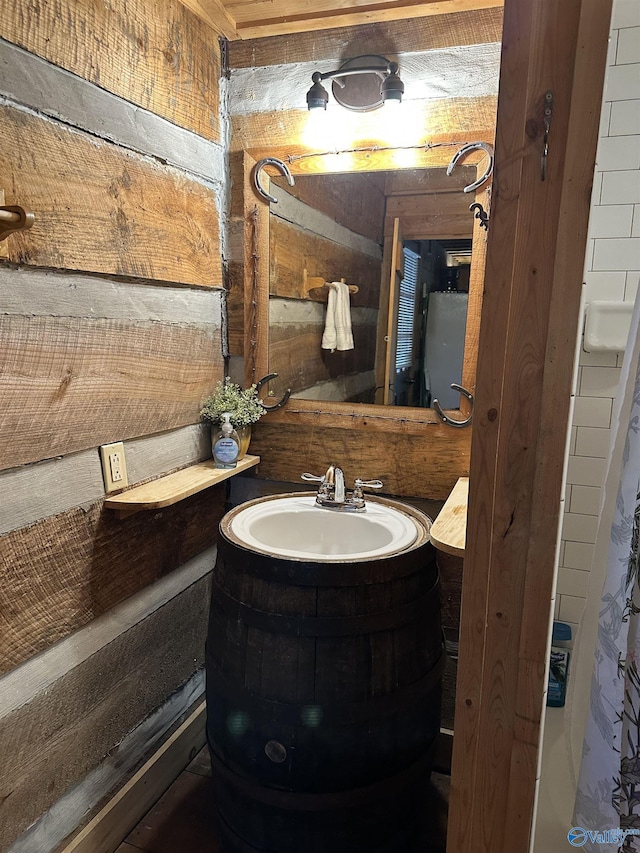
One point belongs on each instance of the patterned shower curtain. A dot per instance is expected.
(607, 813)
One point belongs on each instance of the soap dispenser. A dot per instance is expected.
(226, 447)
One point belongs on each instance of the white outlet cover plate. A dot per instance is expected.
(105, 451)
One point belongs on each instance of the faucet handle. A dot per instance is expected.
(368, 484)
(358, 486)
(312, 478)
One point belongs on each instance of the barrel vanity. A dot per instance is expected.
(324, 672)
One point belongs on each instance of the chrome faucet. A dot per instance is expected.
(332, 493)
(335, 477)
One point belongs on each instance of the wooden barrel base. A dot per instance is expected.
(381, 818)
(324, 685)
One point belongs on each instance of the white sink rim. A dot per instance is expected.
(387, 527)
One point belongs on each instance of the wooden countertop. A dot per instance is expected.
(449, 530)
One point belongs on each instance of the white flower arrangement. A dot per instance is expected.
(242, 404)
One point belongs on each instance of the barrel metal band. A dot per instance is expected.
(290, 714)
(342, 573)
(319, 626)
(303, 801)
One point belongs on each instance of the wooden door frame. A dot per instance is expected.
(395, 277)
(530, 316)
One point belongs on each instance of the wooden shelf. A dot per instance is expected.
(168, 490)
(449, 530)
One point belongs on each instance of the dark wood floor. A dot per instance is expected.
(183, 820)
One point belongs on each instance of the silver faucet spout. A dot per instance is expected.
(334, 480)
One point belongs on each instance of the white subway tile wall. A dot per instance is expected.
(612, 265)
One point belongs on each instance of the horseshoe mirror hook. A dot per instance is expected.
(462, 152)
(450, 421)
(261, 382)
(280, 166)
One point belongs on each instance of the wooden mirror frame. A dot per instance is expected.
(256, 297)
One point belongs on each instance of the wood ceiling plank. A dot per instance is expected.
(214, 13)
(256, 19)
(480, 26)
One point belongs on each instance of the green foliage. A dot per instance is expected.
(242, 404)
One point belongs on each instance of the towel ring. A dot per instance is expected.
(280, 402)
(282, 168)
(450, 421)
(462, 152)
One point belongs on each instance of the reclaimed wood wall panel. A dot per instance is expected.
(165, 60)
(408, 465)
(102, 209)
(293, 249)
(112, 330)
(419, 181)
(72, 383)
(51, 91)
(64, 571)
(353, 200)
(31, 493)
(279, 134)
(436, 216)
(235, 277)
(481, 26)
(52, 742)
(287, 342)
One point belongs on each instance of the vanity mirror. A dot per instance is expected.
(412, 255)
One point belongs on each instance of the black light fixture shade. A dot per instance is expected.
(317, 96)
(361, 84)
(392, 87)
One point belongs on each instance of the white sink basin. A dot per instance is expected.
(295, 527)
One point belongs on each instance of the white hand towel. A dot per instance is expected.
(337, 329)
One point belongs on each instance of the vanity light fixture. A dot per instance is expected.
(361, 84)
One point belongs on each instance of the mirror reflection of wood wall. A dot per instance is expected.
(340, 227)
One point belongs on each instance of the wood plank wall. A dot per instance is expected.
(111, 329)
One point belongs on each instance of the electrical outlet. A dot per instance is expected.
(114, 466)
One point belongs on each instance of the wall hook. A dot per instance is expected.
(450, 421)
(462, 152)
(282, 168)
(282, 401)
(14, 218)
(481, 214)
